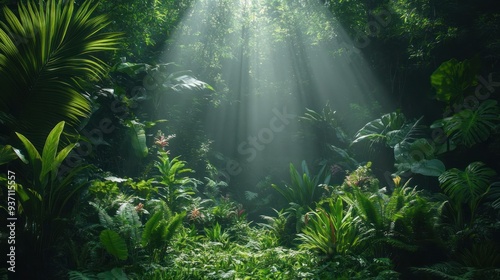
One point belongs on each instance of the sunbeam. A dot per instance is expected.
(269, 60)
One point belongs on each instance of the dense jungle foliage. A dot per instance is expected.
(110, 169)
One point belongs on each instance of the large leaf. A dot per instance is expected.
(468, 186)
(418, 157)
(50, 149)
(33, 156)
(138, 138)
(47, 52)
(9, 153)
(114, 244)
(431, 167)
(469, 127)
(377, 130)
(179, 82)
(453, 77)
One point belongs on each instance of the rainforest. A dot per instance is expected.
(249, 139)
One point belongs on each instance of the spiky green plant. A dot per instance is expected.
(304, 190)
(332, 230)
(47, 53)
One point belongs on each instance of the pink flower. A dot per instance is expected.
(162, 141)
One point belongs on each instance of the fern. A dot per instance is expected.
(159, 231)
(447, 271)
(172, 226)
(130, 222)
(104, 218)
(150, 226)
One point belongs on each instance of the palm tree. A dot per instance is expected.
(47, 54)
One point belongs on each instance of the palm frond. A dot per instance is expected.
(43, 74)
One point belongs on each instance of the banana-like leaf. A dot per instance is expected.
(138, 138)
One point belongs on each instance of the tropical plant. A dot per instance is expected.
(216, 234)
(175, 185)
(122, 230)
(481, 261)
(278, 225)
(326, 125)
(114, 244)
(159, 231)
(471, 126)
(47, 53)
(332, 230)
(382, 130)
(453, 78)
(9, 153)
(467, 187)
(304, 190)
(362, 178)
(46, 196)
(412, 151)
(125, 235)
(401, 220)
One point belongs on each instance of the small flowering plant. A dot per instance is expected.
(162, 141)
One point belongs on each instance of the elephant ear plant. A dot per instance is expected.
(45, 195)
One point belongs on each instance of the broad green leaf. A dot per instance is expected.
(33, 155)
(9, 153)
(467, 186)
(469, 127)
(50, 149)
(432, 167)
(138, 138)
(453, 77)
(114, 244)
